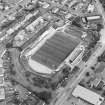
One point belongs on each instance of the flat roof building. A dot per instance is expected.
(93, 18)
(87, 95)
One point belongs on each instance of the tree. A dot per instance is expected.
(13, 82)
(101, 58)
(16, 93)
(12, 72)
(31, 101)
(76, 22)
(27, 74)
(54, 85)
(103, 94)
(76, 68)
(19, 49)
(64, 83)
(31, 7)
(44, 96)
(91, 45)
(96, 36)
(9, 45)
(87, 74)
(66, 71)
(99, 27)
(16, 101)
(86, 56)
(6, 25)
(38, 81)
(93, 68)
(103, 3)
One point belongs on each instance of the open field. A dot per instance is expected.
(55, 50)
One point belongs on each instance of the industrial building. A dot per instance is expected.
(87, 95)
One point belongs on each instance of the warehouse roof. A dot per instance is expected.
(87, 95)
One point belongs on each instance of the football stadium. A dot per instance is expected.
(53, 52)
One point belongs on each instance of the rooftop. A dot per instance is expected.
(87, 95)
(2, 94)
